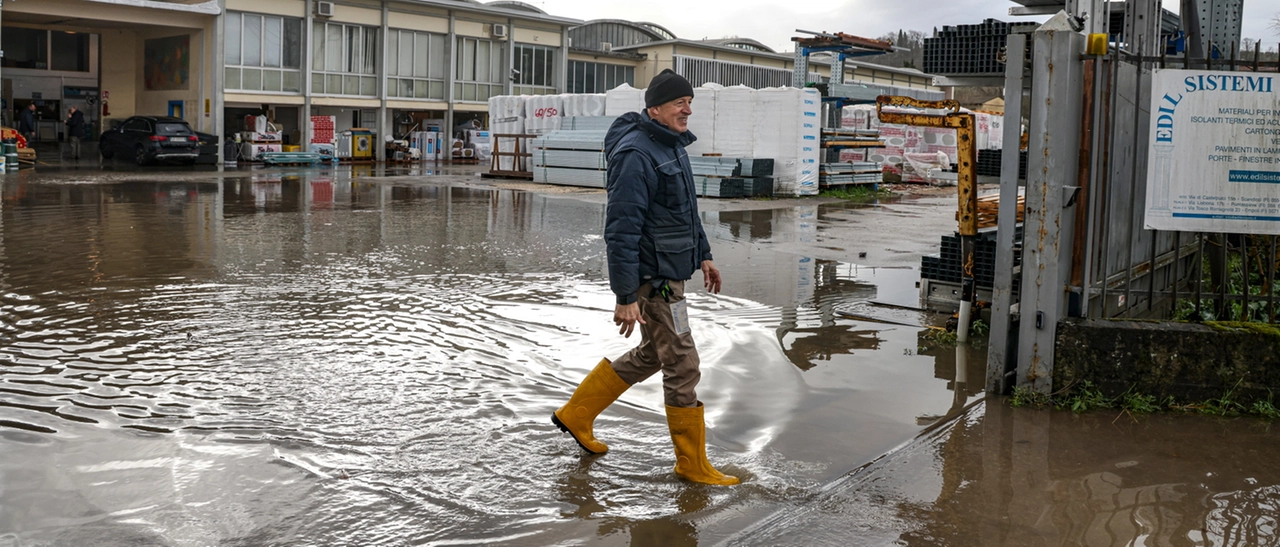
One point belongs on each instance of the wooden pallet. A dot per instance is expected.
(989, 210)
(508, 175)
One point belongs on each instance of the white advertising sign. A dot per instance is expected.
(1213, 164)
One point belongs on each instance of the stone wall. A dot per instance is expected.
(1189, 361)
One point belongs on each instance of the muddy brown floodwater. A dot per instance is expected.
(355, 357)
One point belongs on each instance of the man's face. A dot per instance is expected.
(673, 114)
(31, 107)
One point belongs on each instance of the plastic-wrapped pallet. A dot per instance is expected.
(734, 121)
(810, 153)
(777, 133)
(857, 116)
(623, 99)
(506, 117)
(542, 113)
(583, 104)
(702, 121)
(788, 129)
(505, 107)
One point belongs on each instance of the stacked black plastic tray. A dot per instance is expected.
(945, 266)
(989, 163)
(968, 49)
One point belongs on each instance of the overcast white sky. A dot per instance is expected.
(773, 22)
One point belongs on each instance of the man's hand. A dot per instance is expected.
(710, 276)
(627, 315)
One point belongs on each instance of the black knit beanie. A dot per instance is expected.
(667, 86)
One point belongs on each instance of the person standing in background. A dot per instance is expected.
(27, 124)
(75, 130)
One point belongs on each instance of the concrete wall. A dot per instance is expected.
(119, 77)
(1191, 362)
(156, 102)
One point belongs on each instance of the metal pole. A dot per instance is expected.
(1244, 276)
(1104, 255)
(1271, 283)
(1000, 358)
(1199, 275)
(1133, 184)
(1095, 164)
(967, 191)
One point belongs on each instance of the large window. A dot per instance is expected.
(479, 75)
(416, 65)
(45, 49)
(344, 59)
(588, 77)
(536, 70)
(264, 52)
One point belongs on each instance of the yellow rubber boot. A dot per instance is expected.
(689, 435)
(596, 392)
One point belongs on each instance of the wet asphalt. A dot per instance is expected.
(368, 355)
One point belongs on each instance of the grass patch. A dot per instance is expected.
(1088, 398)
(1027, 397)
(979, 328)
(941, 337)
(855, 192)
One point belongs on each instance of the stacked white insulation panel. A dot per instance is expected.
(542, 113)
(583, 104)
(734, 122)
(702, 122)
(623, 99)
(787, 129)
(506, 117)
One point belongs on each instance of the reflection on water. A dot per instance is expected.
(328, 358)
(1006, 476)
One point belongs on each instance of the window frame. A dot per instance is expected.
(352, 70)
(418, 83)
(273, 60)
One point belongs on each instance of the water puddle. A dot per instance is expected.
(331, 358)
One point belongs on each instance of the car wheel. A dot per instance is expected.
(105, 150)
(140, 155)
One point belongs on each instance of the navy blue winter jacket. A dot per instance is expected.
(651, 226)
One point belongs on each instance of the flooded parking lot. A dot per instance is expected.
(364, 357)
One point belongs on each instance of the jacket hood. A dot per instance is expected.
(633, 121)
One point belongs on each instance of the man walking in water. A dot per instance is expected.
(655, 242)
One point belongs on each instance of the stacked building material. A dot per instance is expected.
(572, 158)
(587, 123)
(850, 172)
(702, 121)
(583, 104)
(739, 177)
(788, 130)
(623, 99)
(542, 114)
(945, 266)
(989, 162)
(715, 187)
(734, 121)
(968, 49)
(506, 117)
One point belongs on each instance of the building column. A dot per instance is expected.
(219, 73)
(562, 67)
(508, 76)
(383, 126)
(450, 45)
(309, 34)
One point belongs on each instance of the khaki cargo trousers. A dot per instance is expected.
(661, 348)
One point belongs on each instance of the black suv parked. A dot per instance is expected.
(148, 139)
